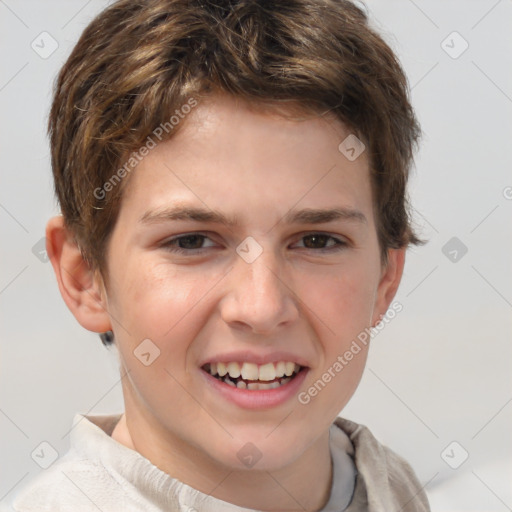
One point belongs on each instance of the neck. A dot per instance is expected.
(303, 485)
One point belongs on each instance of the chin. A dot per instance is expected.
(260, 453)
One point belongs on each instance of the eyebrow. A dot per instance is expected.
(304, 216)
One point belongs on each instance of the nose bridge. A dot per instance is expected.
(257, 295)
(263, 276)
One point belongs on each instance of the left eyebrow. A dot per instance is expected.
(304, 216)
(319, 216)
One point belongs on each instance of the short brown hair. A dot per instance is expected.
(138, 62)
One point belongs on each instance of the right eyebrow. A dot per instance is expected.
(187, 213)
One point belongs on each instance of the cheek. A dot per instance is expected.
(341, 306)
(343, 299)
(153, 299)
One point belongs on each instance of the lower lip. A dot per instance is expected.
(257, 398)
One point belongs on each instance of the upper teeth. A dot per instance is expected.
(251, 371)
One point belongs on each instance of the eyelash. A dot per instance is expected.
(171, 244)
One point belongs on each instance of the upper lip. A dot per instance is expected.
(245, 356)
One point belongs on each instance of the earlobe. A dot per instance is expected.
(81, 288)
(389, 283)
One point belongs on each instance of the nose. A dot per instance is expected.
(259, 300)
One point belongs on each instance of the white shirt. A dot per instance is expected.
(98, 473)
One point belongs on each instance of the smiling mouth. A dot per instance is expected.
(254, 377)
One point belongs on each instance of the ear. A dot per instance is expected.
(82, 289)
(389, 281)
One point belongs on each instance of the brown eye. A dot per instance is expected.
(190, 241)
(321, 241)
(316, 241)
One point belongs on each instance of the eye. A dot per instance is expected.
(321, 241)
(187, 243)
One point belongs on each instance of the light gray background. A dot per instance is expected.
(438, 373)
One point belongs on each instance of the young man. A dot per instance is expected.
(232, 178)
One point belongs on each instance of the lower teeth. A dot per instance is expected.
(241, 384)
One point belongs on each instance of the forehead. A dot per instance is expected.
(231, 155)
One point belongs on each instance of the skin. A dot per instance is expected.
(295, 297)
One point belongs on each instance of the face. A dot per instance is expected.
(244, 244)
